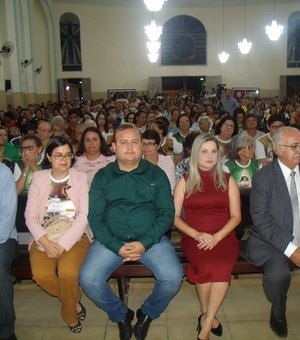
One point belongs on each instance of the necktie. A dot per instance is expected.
(295, 206)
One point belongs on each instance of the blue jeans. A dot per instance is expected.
(8, 251)
(100, 263)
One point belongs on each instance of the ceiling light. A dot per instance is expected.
(153, 31)
(245, 46)
(274, 31)
(153, 47)
(153, 57)
(223, 57)
(154, 5)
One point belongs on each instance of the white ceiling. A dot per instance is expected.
(176, 3)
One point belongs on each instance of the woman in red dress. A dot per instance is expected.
(211, 202)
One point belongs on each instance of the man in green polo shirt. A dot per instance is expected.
(130, 210)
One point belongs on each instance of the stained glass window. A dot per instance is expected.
(70, 42)
(183, 41)
(293, 42)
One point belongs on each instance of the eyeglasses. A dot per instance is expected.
(27, 148)
(149, 144)
(293, 147)
(61, 156)
(248, 147)
(229, 126)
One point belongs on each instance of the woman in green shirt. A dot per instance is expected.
(241, 164)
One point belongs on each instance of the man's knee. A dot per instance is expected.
(5, 277)
(89, 277)
(277, 270)
(278, 277)
(85, 276)
(173, 278)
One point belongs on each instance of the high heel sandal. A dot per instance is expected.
(76, 328)
(218, 331)
(82, 314)
(199, 327)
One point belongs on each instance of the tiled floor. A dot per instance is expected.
(244, 313)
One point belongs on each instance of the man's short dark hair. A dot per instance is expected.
(74, 112)
(275, 118)
(26, 127)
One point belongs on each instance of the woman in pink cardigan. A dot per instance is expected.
(151, 144)
(56, 215)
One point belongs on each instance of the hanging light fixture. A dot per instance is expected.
(223, 56)
(153, 31)
(153, 46)
(245, 45)
(153, 57)
(153, 49)
(274, 30)
(154, 5)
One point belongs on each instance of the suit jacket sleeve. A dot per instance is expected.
(270, 207)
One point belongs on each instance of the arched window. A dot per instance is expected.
(293, 43)
(70, 42)
(183, 41)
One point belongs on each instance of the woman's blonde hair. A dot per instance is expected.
(194, 182)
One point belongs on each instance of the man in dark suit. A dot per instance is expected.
(274, 239)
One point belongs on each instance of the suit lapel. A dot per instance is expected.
(281, 183)
(283, 192)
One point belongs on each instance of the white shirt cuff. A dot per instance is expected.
(290, 249)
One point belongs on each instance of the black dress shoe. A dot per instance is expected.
(125, 328)
(140, 329)
(279, 327)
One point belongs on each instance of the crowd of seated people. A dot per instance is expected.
(174, 118)
(168, 126)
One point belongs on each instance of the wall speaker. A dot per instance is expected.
(7, 85)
